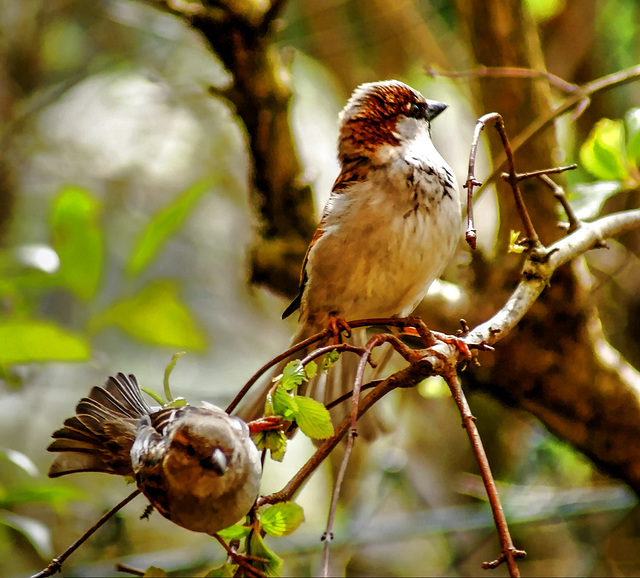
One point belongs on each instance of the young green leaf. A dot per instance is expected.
(155, 315)
(227, 570)
(293, 374)
(163, 225)
(281, 519)
(78, 241)
(36, 533)
(284, 403)
(313, 418)
(311, 369)
(21, 460)
(235, 532)
(602, 153)
(273, 440)
(273, 564)
(329, 360)
(154, 572)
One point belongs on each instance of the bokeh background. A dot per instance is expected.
(114, 152)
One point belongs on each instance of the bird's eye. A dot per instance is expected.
(191, 450)
(416, 110)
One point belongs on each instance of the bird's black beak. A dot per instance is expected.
(434, 108)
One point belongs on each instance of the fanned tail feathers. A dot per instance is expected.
(99, 437)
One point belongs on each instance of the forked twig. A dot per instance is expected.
(511, 178)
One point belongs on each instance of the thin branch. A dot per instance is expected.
(508, 72)
(56, 563)
(509, 552)
(431, 361)
(512, 179)
(540, 173)
(578, 101)
(558, 192)
(537, 272)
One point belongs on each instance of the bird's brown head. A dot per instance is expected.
(383, 113)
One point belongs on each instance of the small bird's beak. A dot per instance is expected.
(434, 108)
(217, 462)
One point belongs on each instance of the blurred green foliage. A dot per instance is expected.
(155, 314)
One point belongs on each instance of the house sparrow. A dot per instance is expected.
(196, 465)
(389, 228)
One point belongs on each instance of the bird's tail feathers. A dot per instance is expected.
(99, 437)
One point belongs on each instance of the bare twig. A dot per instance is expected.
(512, 179)
(541, 172)
(509, 552)
(509, 72)
(578, 99)
(558, 192)
(56, 563)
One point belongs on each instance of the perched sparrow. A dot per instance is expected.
(389, 228)
(196, 465)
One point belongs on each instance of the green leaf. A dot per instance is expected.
(273, 440)
(154, 572)
(21, 460)
(29, 340)
(78, 241)
(293, 374)
(225, 571)
(311, 369)
(273, 564)
(235, 532)
(164, 224)
(284, 404)
(310, 415)
(329, 360)
(313, 418)
(282, 519)
(156, 315)
(39, 493)
(33, 530)
(602, 152)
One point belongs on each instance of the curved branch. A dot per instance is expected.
(538, 270)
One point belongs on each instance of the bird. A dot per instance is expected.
(197, 466)
(390, 226)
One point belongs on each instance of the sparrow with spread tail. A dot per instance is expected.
(198, 466)
(389, 228)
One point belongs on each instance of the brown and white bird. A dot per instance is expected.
(198, 466)
(389, 228)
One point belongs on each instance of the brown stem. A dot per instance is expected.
(393, 321)
(541, 172)
(558, 192)
(56, 563)
(509, 552)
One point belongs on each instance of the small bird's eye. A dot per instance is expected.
(416, 110)
(191, 450)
